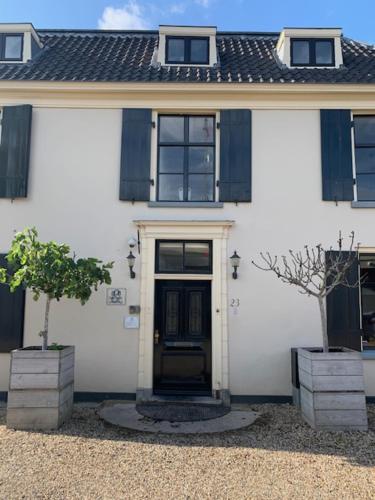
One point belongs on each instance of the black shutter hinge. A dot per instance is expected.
(218, 125)
(152, 182)
(352, 123)
(153, 124)
(217, 183)
(354, 182)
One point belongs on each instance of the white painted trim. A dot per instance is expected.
(217, 231)
(200, 97)
(283, 47)
(199, 31)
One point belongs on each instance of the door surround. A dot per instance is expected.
(217, 231)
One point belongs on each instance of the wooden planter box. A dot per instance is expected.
(332, 389)
(40, 392)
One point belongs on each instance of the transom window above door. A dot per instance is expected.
(186, 158)
(186, 257)
(364, 137)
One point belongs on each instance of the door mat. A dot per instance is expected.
(178, 412)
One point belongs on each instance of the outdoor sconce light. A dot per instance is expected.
(235, 261)
(131, 258)
(131, 261)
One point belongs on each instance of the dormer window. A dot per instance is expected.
(310, 48)
(18, 42)
(312, 52)
(187, 46)
(11, 46)
(187, 50)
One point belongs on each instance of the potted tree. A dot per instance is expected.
(41, 377)
(331, 377)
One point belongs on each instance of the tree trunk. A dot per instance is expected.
(45, 331)
(323, 319)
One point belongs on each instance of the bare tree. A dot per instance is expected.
(314, 272)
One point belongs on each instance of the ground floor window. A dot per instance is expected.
(367, 270)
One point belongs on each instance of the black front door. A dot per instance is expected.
(182, 337)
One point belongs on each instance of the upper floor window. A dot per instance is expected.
(11, 46)
(364, 139)
(312, 52)
(187, 50)
(186, 158)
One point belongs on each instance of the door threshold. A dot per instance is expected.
(203, 400)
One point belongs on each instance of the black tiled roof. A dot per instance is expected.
(120, 56)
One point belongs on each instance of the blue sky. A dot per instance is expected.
(355, 17)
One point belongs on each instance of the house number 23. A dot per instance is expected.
(235, 302)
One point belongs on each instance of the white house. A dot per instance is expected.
(190, 144)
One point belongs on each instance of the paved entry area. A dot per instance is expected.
(176, 418)
(276, 457)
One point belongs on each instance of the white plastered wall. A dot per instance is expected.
(73, 197)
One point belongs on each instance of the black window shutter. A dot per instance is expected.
(343, 313)
(12, 307)
(15, 151)
(135, 154)
(235, 155)
(336, 149)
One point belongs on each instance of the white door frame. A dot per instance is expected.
(217, 231)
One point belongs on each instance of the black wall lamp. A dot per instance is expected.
(235, 261)
(131, 258)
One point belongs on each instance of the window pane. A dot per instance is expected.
(13, 46)
(171, 129)
(201, 159)
(197, 256)
(323, 52)
(171, 159)
(201, 129)
(201, 188)
(171, 187)
(365, 160)
(170, 257)
(301, 52)
(364, 128)
(199, 51)
(367, 263)
(366, 187)
(176, 50)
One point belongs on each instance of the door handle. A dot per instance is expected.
(156, 337)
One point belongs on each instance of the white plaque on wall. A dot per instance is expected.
(131, 322)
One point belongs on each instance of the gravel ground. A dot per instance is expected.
(277, 457)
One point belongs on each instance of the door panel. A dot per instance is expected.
(182, 340)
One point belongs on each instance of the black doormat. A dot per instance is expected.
(179, 412)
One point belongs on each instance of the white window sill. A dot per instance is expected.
(368, 354)
(363, 204)
(186, 204)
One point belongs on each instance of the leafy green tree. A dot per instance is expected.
(49, 269)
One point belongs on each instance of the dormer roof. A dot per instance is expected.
(132, 56)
